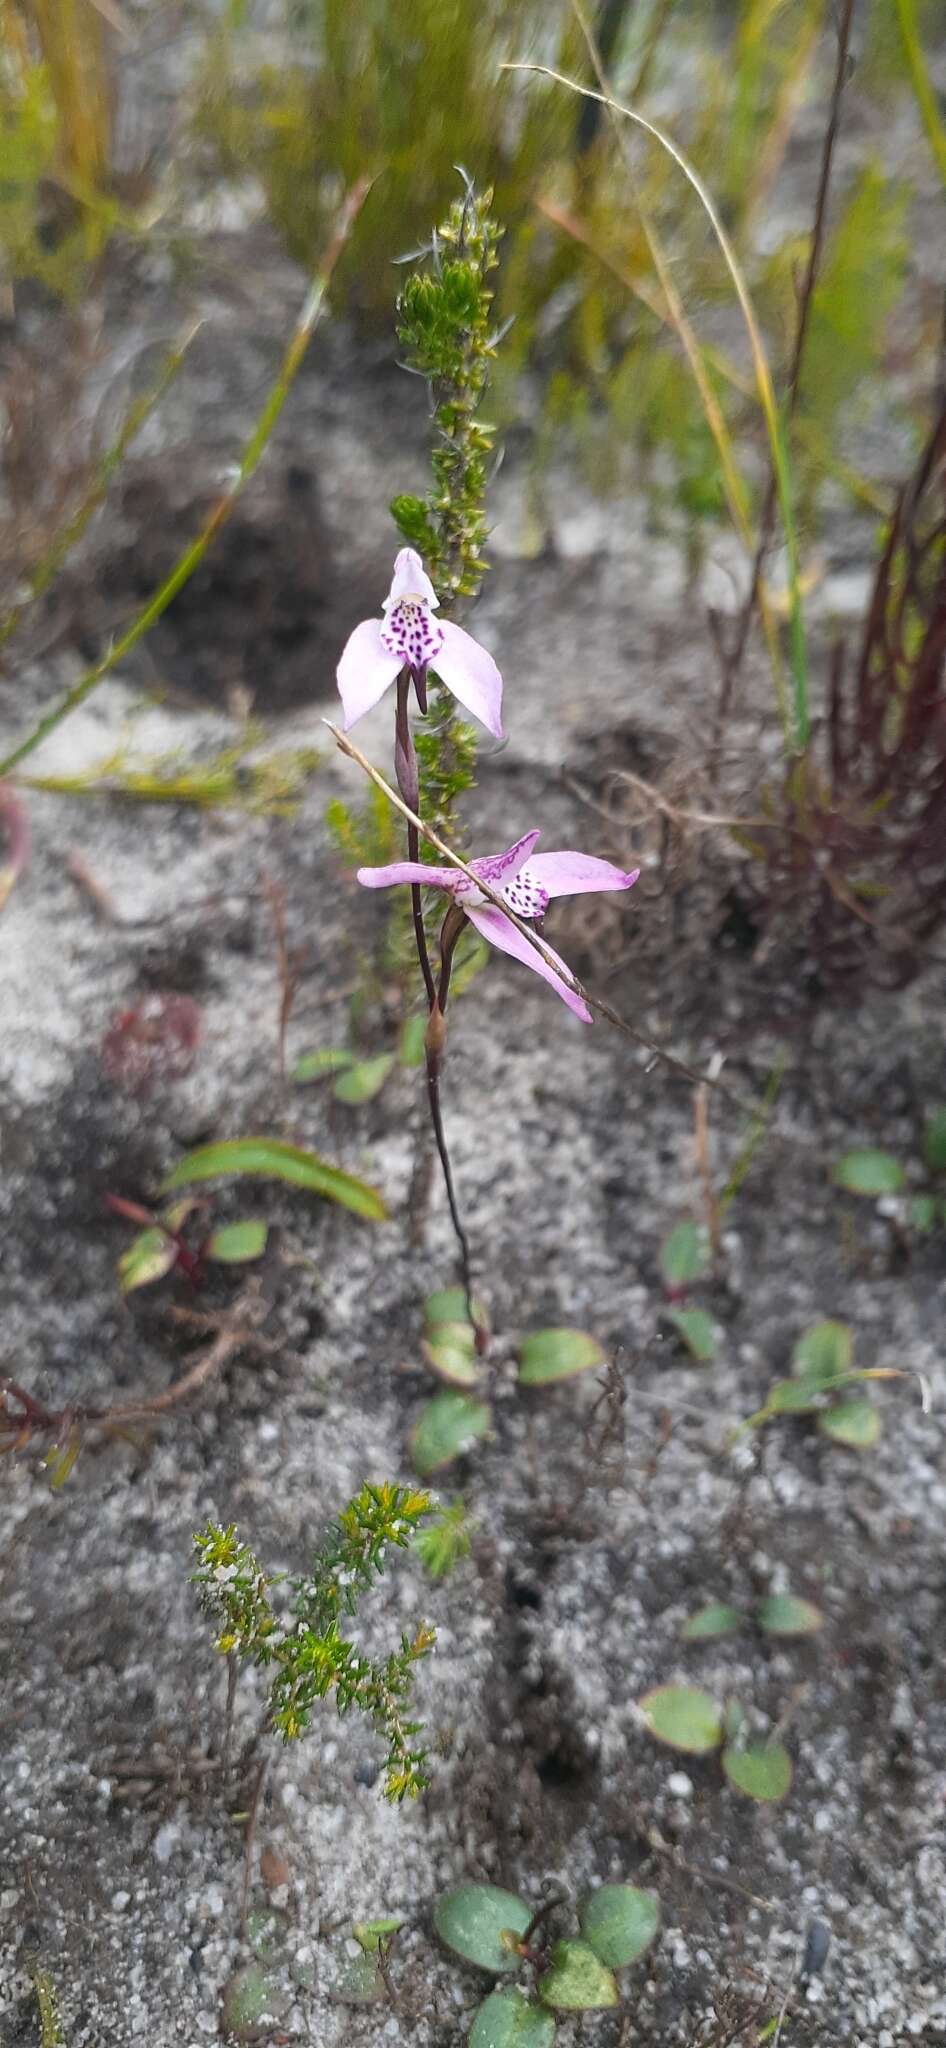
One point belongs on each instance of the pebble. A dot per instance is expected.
(680, 1785)
(119, 1901)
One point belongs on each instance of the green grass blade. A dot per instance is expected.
(271, 1159)
(920, 81)
(193, 554)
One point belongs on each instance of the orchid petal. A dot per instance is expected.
(499, 869)
(365, 671)
(410, 579)
(407, 871)
(495, 926)
(472, 675)
(573, 874)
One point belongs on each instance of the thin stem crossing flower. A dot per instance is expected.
(409, 638)
(527, 881)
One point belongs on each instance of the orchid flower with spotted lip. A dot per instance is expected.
(526, 881)
(409, 637)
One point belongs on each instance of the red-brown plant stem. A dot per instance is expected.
(405, 764)
(433, 1052)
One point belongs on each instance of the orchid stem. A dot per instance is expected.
(436, 1118)
(420, 936)
(405, 763)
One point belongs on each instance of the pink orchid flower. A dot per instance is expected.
(409, 637)
(525, 881)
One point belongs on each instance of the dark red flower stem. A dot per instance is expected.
(433, 1052)
(405, 763)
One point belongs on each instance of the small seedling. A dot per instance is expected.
(685, 1258)
(162, 1247)
(457, 1417)
(362, 1980)
(357, 1080)
(779, 1614)
(303, 1650)
(822, 1369)
(922, 1184)
(685, 1717)
(495, 1931)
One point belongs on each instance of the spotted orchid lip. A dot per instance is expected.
(410, 632)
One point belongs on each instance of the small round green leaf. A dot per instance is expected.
(235, 1244)
(481, 1923)
(824, 1351)
(360, 1982)
(619, 1923)
(869, 1173)
(253, 2003)
(684, 1255)
(697, 1329)
(548, 1356)
(148, 1257)
(782, 1614)
(791, 1397)
(449, 1305)
(451, 1354)
(934, 1141)
(508, 2020)
(923, 1212)
(854, 1423)
(684, 1717)
(715, 1620)
(762, 1770)
(364, 1081)
(267, 1931)
(447, 1426)
(577, 1980)
(316, 1066)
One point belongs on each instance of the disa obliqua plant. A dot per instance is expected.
(415, 650)
(432, 663)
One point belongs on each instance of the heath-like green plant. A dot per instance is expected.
(445, 1540)
(302, 1649)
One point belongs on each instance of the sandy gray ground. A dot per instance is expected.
(120, 1867)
